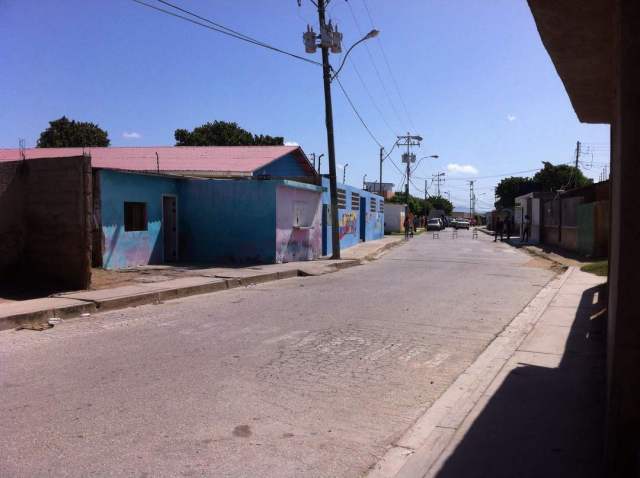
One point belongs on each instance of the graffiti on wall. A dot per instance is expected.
(348, 223)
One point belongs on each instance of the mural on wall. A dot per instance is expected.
(348, 223)
(298, 228)
(374, 220)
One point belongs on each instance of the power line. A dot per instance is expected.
(373, 63)
(393, 78)
(373, 101)
(357, 114)
(220, 29)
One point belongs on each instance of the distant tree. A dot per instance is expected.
(510, 188)
(63, 133)
(438, 202)
(416, 205)
(223, 133)
(553, 178)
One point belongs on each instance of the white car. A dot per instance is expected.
(462, 224)
(434, 224)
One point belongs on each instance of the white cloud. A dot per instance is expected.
(131, 135)
(291, 143)
(511, 118)
(455, 168)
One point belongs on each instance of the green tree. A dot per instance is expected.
(223, 133)
(63, 133)
(416, 205)
(510, 188)
(553, 178)
(438, 202)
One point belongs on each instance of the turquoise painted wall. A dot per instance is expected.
(227, 221)
(219, 221)
(349, 219)
(288, 166)
(130, 248)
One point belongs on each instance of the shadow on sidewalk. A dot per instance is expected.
(544, 422)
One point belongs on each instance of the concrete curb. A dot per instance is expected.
(415, 453)
(74, 305)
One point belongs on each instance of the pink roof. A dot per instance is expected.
(215, 159)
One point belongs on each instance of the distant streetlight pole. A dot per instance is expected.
(364, 182)
(344, 174)
(330, 38)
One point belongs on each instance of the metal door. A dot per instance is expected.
(170, 228)
(363, 219)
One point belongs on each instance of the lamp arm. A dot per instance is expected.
(344, 58)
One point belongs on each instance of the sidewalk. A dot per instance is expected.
(154, 284)
(531, 405)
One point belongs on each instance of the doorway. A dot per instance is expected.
(363, 219)
(170, 228)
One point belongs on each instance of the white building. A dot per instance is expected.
(393, 217)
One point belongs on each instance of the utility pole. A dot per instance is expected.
(408, 158)
(437, 179)
(381, 160)
(364, 182)
(329, 38)
(575, 176)
(425, 198)
(472, 200)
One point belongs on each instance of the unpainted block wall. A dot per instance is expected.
(54, 199)
(12, 228)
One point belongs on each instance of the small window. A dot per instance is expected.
(355, 202)
(374, 205)
(135, 216)
(381, 206)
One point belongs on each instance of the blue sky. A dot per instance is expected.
(474, 77)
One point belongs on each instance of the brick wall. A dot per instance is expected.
(55, 198)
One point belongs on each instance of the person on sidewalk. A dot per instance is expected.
(526, 229)
(407, 227)
(498, 230)
(507, 228)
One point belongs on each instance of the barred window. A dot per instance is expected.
(381, 206)
(342, 199)
(135, 216)
(355, 202)
(374, 205)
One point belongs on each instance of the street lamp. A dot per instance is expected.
(433, 156)
(364, 182)
(344, 173)
(330, 38)
(372, 34)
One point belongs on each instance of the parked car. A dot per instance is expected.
(434, 224)
(462, 224)
(452, 222)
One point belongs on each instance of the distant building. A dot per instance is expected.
(386, 190)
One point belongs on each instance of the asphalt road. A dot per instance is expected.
(310, 376)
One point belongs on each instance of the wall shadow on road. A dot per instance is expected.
(544, 422)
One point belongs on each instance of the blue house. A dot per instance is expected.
(199, 204)
(360, 216)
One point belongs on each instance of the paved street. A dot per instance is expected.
(311, 376)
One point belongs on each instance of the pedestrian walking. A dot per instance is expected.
(507, 226)
(526, 229)
(498, 230)
(407, 227)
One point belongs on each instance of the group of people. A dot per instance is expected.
(503, 227)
